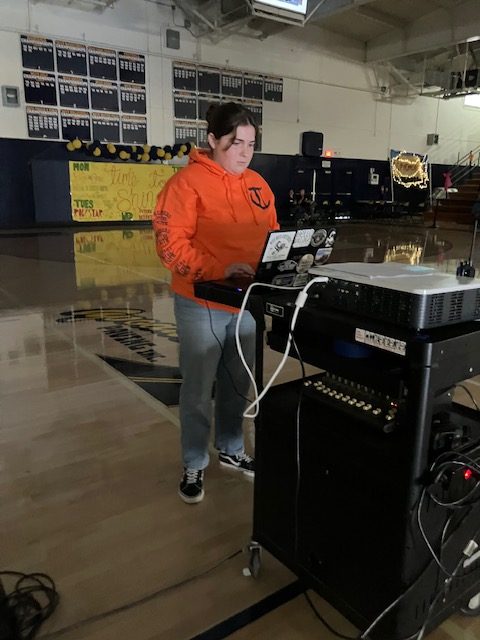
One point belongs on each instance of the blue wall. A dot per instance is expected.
(347, 181)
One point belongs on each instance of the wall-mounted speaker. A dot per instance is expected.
(312, 144)
(173, 39)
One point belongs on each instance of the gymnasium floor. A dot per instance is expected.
(89, 456)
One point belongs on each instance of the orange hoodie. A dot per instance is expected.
(206, 219)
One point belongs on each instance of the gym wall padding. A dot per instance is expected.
(16, 189)
(34, 181)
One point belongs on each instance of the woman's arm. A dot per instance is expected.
(174, 223)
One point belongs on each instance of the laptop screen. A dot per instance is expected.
(288, 255)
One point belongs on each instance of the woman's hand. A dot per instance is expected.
(239, 269)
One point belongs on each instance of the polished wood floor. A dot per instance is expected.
(89, 459)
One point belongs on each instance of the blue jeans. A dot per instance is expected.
(208, 355)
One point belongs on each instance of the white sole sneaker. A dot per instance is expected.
(190, 500)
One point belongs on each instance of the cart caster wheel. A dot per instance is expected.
(255, 560)
(472, 607)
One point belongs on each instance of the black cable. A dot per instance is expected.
(324, 622)
(426, 540)
(300, 360)
(464, 500)
(297, 451)
(140, 601)
(33, 599)
(460, 457)
(418, 507)
(443, 591)
(222, 358)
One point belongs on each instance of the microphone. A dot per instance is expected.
(466, 268)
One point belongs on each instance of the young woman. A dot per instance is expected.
(210, 222)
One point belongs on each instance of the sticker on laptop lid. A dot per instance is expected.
(303, 238)
(278, 246)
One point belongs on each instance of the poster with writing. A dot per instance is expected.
(71, 58)
(208, 80)
(39, 87)
(104, 95)
(133, 98)
(73, 92)
(185, 105)
(273, 89)
(253, 86)
(75, 124)
(112, 191)
(184, 77)
(134, 130)
(106, 127)
(185, 131)
(37, 53)
(42, 122)
(131, 67)
(102, 63)
(232, 84)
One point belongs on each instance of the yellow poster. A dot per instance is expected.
(110, 191)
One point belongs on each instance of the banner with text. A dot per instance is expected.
(111, 192)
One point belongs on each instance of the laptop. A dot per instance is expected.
(287, 257)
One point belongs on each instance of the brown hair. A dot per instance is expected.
(224, 118)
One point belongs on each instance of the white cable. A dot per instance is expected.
(237, 333)
(252, 410)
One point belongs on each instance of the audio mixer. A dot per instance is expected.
(371, 406)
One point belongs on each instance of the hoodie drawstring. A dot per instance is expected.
(228, 192)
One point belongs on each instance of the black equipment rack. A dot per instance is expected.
(338, 490)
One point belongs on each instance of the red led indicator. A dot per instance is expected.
(467, 474)
(328, 153)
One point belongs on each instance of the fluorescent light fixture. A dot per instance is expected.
(299, 6)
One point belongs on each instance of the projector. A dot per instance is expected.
(418, 297)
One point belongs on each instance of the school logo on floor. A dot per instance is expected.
(126, 326)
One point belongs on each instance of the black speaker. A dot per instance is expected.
(312, 144)
(173, 39)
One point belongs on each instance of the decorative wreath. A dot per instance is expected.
(139, 153)
(409, 170)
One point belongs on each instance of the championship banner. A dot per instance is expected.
(112, 192)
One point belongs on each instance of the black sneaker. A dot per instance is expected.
(191, 487)
(242, 462)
